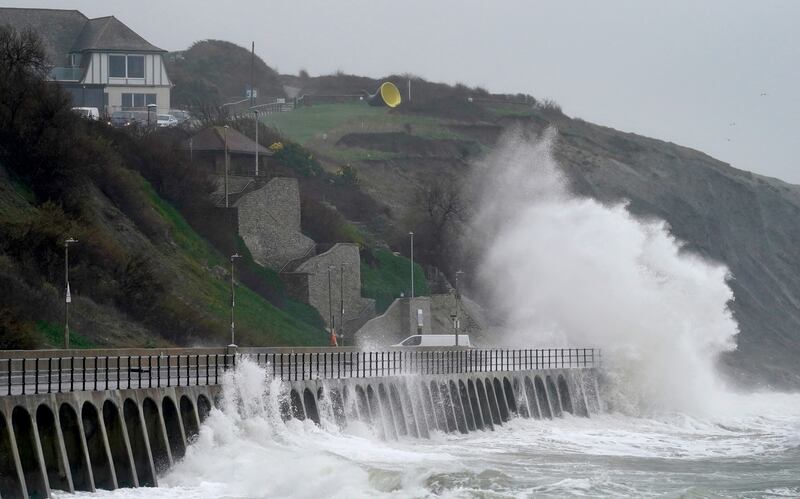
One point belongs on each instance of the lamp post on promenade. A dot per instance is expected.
(225, 128)
(341, 299)
(255, 119)
(457, 321)
(233, 301)
(330, 308)
(67, 295)
(412, 264)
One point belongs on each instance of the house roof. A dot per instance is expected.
(109, 33)
(57, 28)
(67, 31)
(213, 139)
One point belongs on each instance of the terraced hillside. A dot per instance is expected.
(745, 220)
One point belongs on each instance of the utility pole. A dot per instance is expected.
(226, 165)
(233, 302)
(255, 114)
(252, 64)
(67, 296)
(341, 296)
(412, 264)
(330, 308)
(457, 321)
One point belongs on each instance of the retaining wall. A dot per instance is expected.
(84, 441)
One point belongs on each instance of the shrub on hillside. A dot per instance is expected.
(16, 333)
(325, 225)
(297, 158)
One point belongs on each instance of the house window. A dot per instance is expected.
(116, 66)
(126, 66)
(74, 60)
(138, 100)
(135, 66)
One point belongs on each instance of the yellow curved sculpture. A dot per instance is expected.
(390, 94)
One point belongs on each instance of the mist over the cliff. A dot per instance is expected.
(569, 271)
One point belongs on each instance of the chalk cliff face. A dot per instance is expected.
(747, 221)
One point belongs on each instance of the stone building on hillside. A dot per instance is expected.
(423, 315)
(269, 223)
(403, 318)
(323, 280)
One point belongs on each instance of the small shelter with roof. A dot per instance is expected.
(207, 150)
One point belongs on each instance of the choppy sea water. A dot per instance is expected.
(751, 449)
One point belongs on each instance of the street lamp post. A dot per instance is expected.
(341, 297)
(226, 165)
(457, 321)
(152, 107)
(412, 264)
(67, 296)
(255, 114)
(233, 302)
(330, 306)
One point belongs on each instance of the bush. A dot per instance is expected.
(346, 175)
(297, 158)
(17, 334)
(388, 278)
(325, 225)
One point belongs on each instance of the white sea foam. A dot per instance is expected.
(245, 450)
(570, 271)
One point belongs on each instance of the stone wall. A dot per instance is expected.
(313, 289)
(397, 323)
(443, 306)
(269, 223)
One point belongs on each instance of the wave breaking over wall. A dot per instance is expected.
(565, 270)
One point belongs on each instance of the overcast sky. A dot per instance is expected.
(687, 71)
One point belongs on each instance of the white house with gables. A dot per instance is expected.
(101, 62)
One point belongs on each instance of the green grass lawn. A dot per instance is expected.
(304, 123)
(259, 323)
(390, 278)
(54, 335)
(307, 124)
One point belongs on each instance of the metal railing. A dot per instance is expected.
(66, 74)
(19, 376)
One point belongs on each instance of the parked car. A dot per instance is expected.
(181, 115)
(167, 120)
(435, 340)
(123, 118)
(128, 118)
(90, 113)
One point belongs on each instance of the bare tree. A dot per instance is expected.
(23, 65)
(441, 211)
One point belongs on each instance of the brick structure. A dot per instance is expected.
(401, 320)
(308, 282)
(269, 223)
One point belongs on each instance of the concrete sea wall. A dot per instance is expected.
(89, 440)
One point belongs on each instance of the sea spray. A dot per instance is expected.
(246, 450)
(570, 271)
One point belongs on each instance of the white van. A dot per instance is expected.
(90, 113)
(435, 340)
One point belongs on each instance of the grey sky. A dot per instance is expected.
(678, 70)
